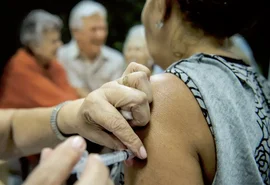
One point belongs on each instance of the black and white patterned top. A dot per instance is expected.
(235, 102)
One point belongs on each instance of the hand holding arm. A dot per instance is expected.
(95, 118)
(99, 115)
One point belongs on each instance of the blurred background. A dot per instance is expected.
(122, 15)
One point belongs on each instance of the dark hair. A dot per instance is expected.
(221, 18)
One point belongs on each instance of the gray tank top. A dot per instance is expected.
(235, 102)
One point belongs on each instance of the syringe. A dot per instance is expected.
(108, 159)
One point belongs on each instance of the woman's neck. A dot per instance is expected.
(191, 46)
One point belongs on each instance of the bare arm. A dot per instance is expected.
(178, 141)
(24, 132)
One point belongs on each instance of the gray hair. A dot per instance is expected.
(84, 9)
(137, 32)
(36, 22)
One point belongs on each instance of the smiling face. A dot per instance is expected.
(92, 35)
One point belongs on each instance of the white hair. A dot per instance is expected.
(36, 22)
(136, 32)
(85, 8)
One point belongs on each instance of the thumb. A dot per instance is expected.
(115, 123)
(56, 168)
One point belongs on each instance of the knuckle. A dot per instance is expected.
(116, 125)
(121, 127)
(143, 122)
(142, 98)
(142, 114)
(133, 66)
(87, 117)
(84, 115)
(147, 71)
(142, 76)
(144, 69)
(91, 103)
(132, 140)
(92, 97)
(140, 79)
(108, 85)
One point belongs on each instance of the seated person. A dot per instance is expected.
(33, 77)
(88, 62)
(210, 117)
(135, 49)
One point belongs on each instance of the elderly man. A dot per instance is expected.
(88, 62)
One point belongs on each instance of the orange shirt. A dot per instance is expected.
(25, 84)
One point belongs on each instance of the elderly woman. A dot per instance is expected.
(135, 49)
(33, 78)
(210, 117)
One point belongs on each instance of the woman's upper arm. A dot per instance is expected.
(175, 139)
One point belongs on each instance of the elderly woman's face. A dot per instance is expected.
(136, 51)
(48, 45)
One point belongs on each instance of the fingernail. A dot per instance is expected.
(143, 152)
(78, 143)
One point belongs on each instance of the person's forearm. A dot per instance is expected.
(26, 132)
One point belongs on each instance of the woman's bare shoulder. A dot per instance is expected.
(176, 138)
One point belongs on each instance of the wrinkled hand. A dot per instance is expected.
(99, 119)
(56, 165)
